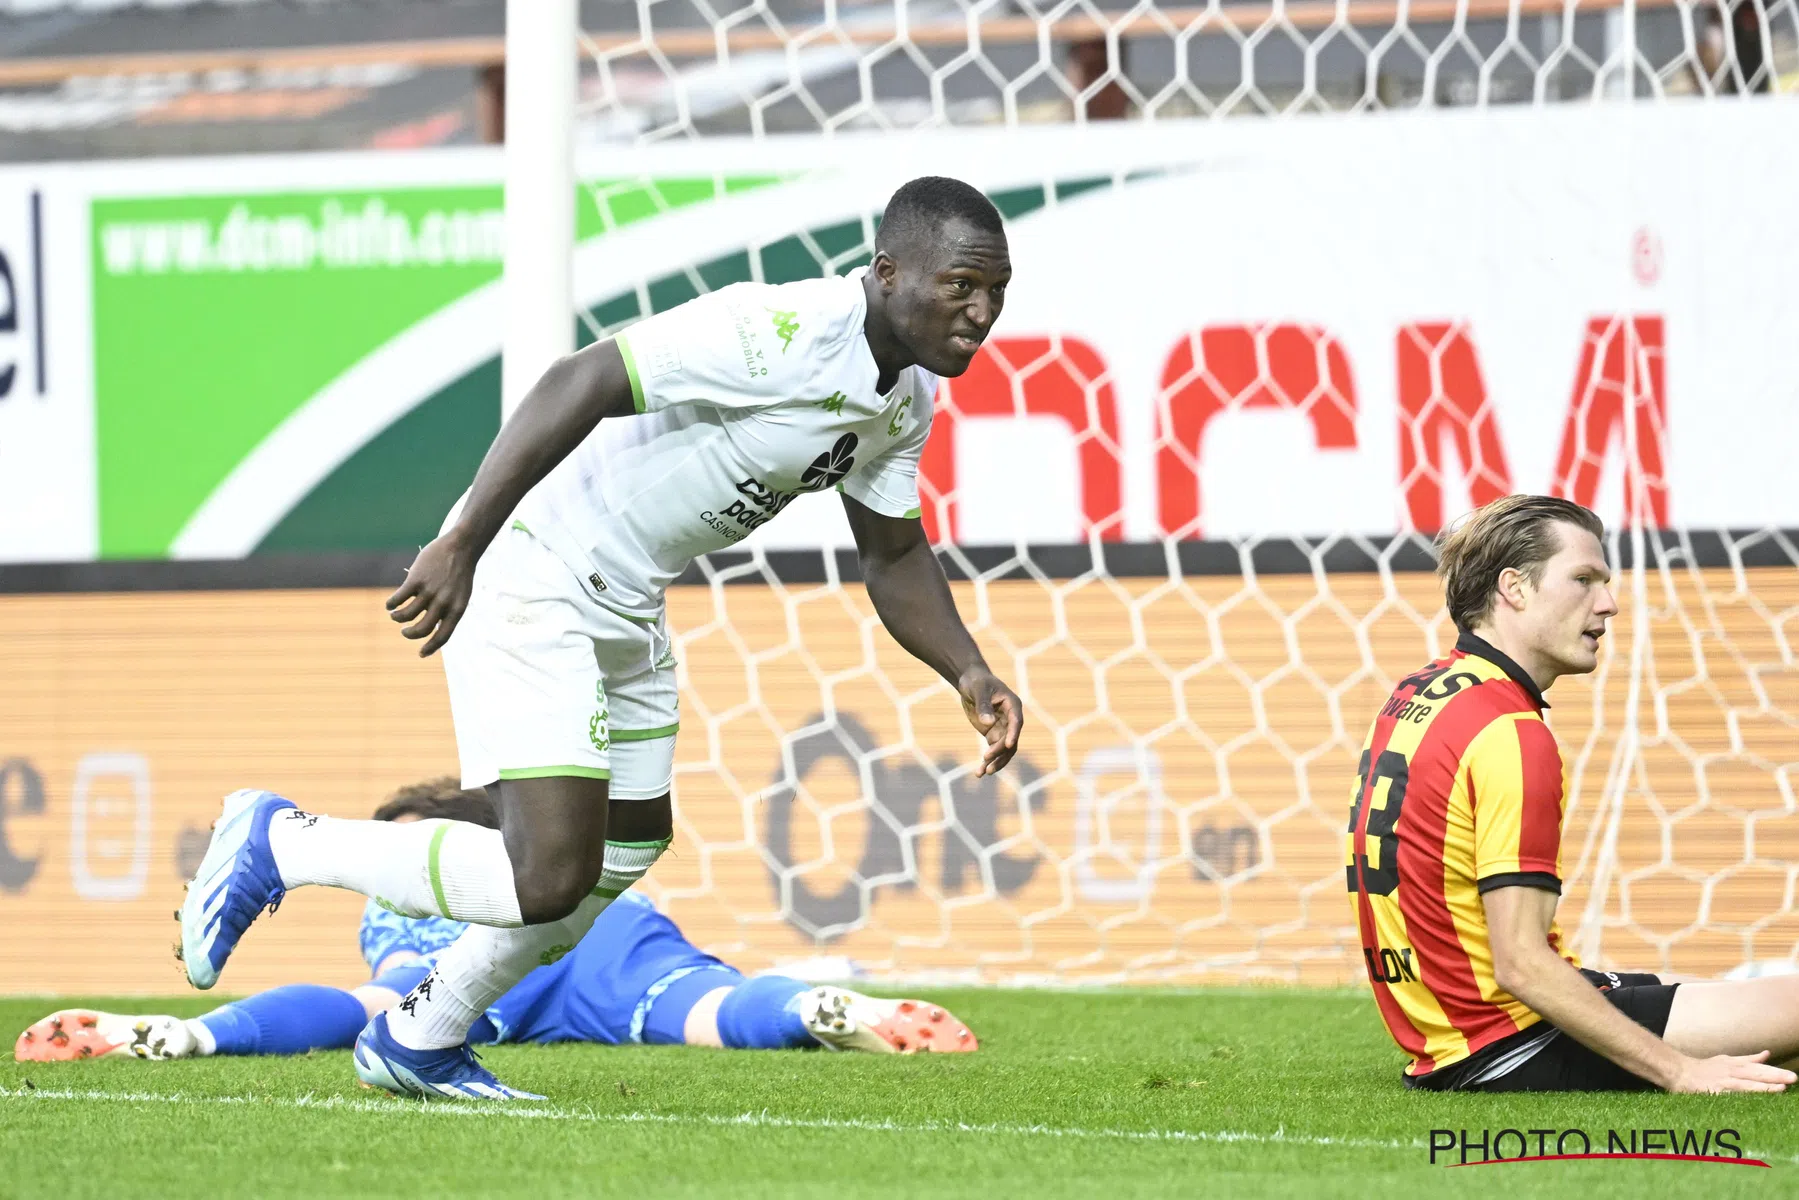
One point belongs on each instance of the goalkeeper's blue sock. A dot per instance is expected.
(287, 1020)
(764, 1014)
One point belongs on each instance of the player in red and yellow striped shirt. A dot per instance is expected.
(1453, 855)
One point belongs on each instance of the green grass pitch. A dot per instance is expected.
(1104, 1094)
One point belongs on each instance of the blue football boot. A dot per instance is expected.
(454, 1073)
(236, 881)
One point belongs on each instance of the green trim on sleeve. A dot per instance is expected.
(644, 735)
(624, 350)
(431, 857)
(577, 772)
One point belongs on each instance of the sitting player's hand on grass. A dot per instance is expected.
(436, 592)
(996, 712)
(1732, 1073)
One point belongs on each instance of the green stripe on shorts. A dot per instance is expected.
(644, 735)
(555, 772)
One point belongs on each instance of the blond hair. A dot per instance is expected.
(1513, 531)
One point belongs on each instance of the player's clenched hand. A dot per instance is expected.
(435, 593)
(1732, 1073)
(996, 711)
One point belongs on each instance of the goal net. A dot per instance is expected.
(1186, 494)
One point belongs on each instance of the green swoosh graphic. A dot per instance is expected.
(216, 318)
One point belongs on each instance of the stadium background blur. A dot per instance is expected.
(250, 326)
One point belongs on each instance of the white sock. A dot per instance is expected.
(485, 963)
(205, 1044)
(477, 969)
(448, 869)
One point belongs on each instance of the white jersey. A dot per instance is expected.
(746, 398)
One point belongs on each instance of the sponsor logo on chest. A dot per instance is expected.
(758, 503)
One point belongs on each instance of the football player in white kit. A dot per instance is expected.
(626, 461)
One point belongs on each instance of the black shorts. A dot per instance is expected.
(1563, 1064)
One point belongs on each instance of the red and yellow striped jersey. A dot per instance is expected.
(1459, 791)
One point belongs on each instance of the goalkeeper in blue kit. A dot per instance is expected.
(637, 980)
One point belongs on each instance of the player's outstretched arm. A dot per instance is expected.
(573, 396)
(913, 600)
(1518, 924)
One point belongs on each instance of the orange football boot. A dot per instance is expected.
(846, 1020)
(77, 1033)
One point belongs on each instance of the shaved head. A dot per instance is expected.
(919, 212)
(938, 278)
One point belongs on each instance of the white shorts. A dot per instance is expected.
(544, 681)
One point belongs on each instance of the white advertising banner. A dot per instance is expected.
(1216, 329)
(47, 483)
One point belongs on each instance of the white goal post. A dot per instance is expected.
(540, 192)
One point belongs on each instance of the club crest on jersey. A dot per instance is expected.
(598, 730)
(899, 414)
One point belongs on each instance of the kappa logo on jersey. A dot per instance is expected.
(786, 325)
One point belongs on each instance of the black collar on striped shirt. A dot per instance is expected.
(1469, 643)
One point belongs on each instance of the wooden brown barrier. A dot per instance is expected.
(1185, 775)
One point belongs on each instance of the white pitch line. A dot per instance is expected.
(762, 1120)
(529, 1111)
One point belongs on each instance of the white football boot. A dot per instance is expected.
(76, 1033)
(846, 1020)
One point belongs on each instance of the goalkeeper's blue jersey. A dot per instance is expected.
(598, 992)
